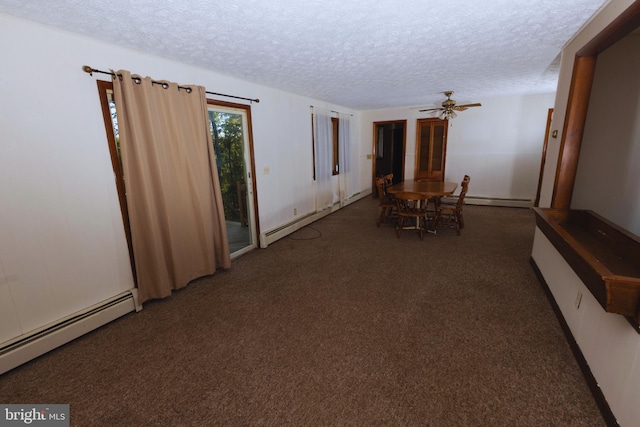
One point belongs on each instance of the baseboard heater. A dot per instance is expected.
(26, 347)
(495, 201)
(284, 230)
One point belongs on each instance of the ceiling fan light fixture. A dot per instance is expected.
(447, 114)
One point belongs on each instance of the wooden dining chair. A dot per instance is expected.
(448, 214)
(387, 202)
(412, 205)
(388, 180)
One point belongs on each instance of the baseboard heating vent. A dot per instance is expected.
(26, 347)
(284, 230)
(495, 201)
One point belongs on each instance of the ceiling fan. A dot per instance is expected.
(449, 107)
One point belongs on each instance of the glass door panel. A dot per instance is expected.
(425, 149)
(431, 149)
(229, 133)
(437, 155)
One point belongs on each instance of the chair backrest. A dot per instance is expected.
(463, 192)
(388, 180)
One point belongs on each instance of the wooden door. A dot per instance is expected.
(431, 149)
(389, 139)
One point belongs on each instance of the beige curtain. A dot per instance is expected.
(173, 194)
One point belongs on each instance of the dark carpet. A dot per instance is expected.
(339, 324)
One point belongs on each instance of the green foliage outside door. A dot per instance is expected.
(228, 143)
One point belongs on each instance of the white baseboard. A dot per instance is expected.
(284, 230)
(26, 347)
(493, 201)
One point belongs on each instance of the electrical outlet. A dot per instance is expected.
(578, 300)
(266, 170)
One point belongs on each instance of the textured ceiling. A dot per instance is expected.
(359, 54)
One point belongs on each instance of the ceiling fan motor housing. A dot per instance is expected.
(449, 103)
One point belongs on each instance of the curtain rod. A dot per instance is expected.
(90, 71)
(332, 111)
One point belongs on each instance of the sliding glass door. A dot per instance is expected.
(230, 132)
(230, 126)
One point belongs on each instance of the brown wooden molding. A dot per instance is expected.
(578, 101)
(604, 256)
(624, 24)
(544, 155)
(575, 118)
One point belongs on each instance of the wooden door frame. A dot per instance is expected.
(544, 156)
(375, 148)
(445, 123)
(252, 167)
(103, 87)
(578, 102)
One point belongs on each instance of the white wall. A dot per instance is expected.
(499, 144)
(609, 344)
(62, 244)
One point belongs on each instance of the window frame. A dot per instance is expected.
(335, 124)
(335, 143)
(104, 88)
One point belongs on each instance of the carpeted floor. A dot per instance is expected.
(340, 324)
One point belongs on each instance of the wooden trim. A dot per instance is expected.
(103, 88)
(335, 132)
(252, 166)
(544, 155)
(596, 392)
(575, 118)
(445, 124)
(603, 255)
(374, 151)
(313, 148)
(578, 101)
(620, 27)
(374, 159)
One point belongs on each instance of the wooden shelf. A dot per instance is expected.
(605, 256)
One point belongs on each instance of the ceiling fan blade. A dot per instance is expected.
(432, 109)
(465, 106)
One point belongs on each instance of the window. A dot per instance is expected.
(336, 157)
(335, 143)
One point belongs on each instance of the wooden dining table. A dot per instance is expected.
(431, 189)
